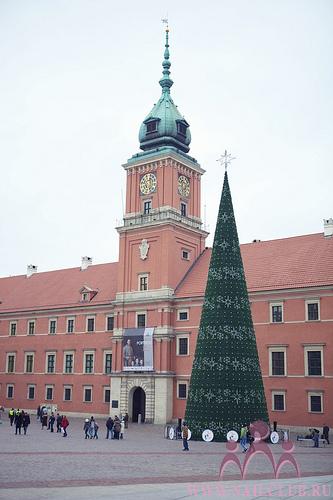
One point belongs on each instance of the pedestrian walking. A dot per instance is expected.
(25, 422)
(64, 424)
(58, 420)
(109, 428)
(18, 421)
(11, 415)
(116, 428)
(326, 431)
(122, 429)
(38, 412)
(126, 420)
(315, 437)
(86, 427)
(51, 422)
(93, 428)
(44, 420)
(185, 437)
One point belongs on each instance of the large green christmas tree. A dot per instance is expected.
(226, 388)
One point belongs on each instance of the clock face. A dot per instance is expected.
(148, 183)
(183, 185)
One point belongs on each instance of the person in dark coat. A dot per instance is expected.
(326, 431)
(116, 428)
(38, 412)
(86, 427)
(11, 415)
(44, 420)
(126, 420)
(51, 422)
(59, 419)
(109, 427)
(18, 421)
(25, 421)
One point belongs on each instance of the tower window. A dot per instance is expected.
(183, 209)
(181, 128)
(151, 127)
(147, 207)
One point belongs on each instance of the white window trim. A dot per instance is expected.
(85, 297)
(7, 359)
(68, 319)
(84, 362)
(26, 354)
(183, 336)
(83, 394)
(279, 393)
(29, 386)
(106, 388)
(188, 254)
(91, 316)
(184, 310)
(48, 353)
(67, 386)
(316, 393)
(314, 347)
(7, 386)
(143, 275)
(139, 313)
(147, 200)
(313, 301)
(181, 382)
(104, 361)
(277, 349)
(49, 386)
(28, 323)
(10, 328)
(271, 305)
(64, 363)
(56, 325)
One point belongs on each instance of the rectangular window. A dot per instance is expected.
(10, 391)
(31, 328)
(314, 362)
(87, 394)
(182, 346)
(90, 324)
(143, 282)
(13, 328)
(147, 207)
(185, 255)
(69, 363)
(10, 363)
(182, 390)
(141, 320)
(278, 362)
(50, 368)
(276, 313)
(70, 325)
(181, 129)
(49, 393)
(29, 363)
(183, 209)
(52, 326)
(67, 393)
(151, 127)
(315, 402)
(107, 395)
(278, 401)
(110, 323)
(312, 311)
(31, 392)
(89, 363)
(183, 315)
(108, 363)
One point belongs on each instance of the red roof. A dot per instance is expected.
(297, 262)
(58, 288)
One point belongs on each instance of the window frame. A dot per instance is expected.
(72, 318)
(313, 348)
(279, 393)
(12, 387)
(31, 386)
(109, 316)
(183, 209)
(141, 313)
(68, 353)
(91, 318)
(52, 326)
(106, 388)
(105, 354)
(316, 393)
(182, 382)
(187, 252)
(309, 302)
(67, 387)
(85, 354)
(143, 286)
(179, 338)
(183, 311)
(47, 388)
(277, 348)
(31, 322)
(11, 324)
(87, 387)
(9, 355)
(26, 354)
(276, 304)
(50, 353)
(147, 206)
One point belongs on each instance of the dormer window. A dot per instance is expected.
(182, 127)
(85, 297)
(151, 126)
(87, 294)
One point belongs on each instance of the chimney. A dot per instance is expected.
(328, 227)
(31, 269)
(85, 263)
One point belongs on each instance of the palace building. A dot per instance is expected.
(120, 337)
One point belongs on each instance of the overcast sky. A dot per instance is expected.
(77, 77)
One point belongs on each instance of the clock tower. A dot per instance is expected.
(162, 199)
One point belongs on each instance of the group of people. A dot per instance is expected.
(115, 428)
(20, 419)
(61, 421)
(314, 434)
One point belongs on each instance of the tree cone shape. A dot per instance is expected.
(226, 388)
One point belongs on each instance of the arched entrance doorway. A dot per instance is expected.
(139, 404)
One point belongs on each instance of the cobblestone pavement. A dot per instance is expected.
(45, 460)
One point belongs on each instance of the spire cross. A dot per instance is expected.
(226, 159)
(165, 20)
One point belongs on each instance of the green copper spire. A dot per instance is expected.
(164, 125)
(166, 82)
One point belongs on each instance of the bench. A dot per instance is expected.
(307, 441)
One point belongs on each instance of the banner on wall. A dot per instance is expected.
(138, 349)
